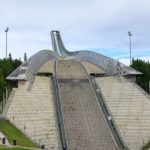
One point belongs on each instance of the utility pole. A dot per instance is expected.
(6, 40)
(129, 33)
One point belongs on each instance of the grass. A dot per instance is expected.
(146, 147)
(12, 133)
(13, 148)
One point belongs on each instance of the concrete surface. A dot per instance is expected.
(34, 112)
(84, 124)
(91, 68)
(130, 107)
(47, 67)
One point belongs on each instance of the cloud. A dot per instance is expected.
(127, 61)
(84, 24)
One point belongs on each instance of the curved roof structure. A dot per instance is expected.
(27, 70)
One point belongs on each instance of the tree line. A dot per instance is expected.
(144, 67)
(9, 65)
(6, 67)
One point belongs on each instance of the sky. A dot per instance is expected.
(97, 25)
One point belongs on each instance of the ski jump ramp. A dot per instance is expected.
(91, 101)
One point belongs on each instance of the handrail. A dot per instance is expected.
(118, 139)
(59, 110)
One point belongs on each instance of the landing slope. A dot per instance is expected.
(84, 124)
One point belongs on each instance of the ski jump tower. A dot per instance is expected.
(120, 103)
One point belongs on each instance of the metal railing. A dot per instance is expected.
(27, 69)
(59, 109)
(36, 61)
(108, 117)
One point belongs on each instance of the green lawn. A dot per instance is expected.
(146, 147)
(13, 148)
(12, 133)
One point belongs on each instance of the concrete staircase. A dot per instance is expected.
(130, 108)
(34, 112)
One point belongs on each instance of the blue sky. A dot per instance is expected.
(98, 25)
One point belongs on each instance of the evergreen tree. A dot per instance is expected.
(6, 67)
(144, 67)
(2, 85)
(10, 58)
(25, 56)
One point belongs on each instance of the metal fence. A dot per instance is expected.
(27, 69)
(36, 61)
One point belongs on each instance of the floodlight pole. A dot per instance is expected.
(129, 33)
(6, 40)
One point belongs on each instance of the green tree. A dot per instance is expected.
(9, 56)
(16, 63)
(6, 67)
(144, 67)
(25, 56)
(2, 85)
